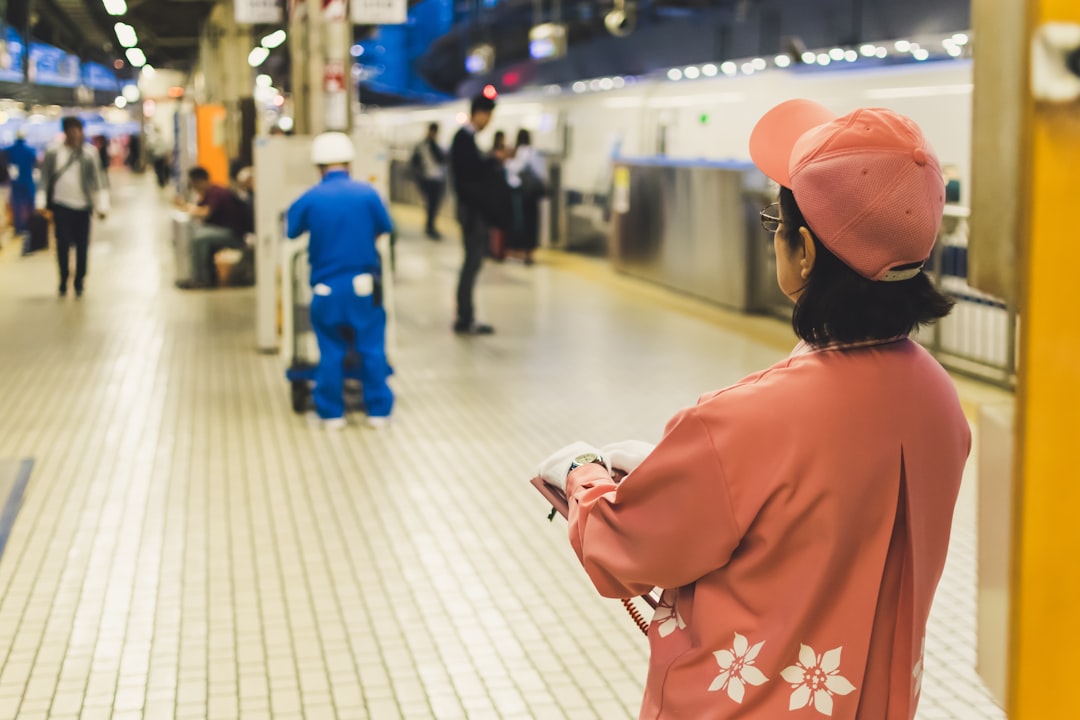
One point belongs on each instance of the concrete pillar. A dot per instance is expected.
(322, 88)
(223, 51)
(299, 57)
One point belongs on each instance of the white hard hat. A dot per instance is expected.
(332, 148)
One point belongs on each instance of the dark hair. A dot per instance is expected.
(839, 305)
(524, 138)
(71, 122)
(197, 174)
(433, 127)
(482, 104)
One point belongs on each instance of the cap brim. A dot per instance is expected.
(776, 133)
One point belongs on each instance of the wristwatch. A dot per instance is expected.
(585, 459)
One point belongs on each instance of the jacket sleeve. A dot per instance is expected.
(669, 523)
(48, 167)
(297, 220)
(100, 194)
(381, 217)
(470, 168)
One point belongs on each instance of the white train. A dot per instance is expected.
(707, 118)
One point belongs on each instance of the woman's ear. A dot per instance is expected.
(809, 252)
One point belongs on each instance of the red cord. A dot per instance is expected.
(638, 619)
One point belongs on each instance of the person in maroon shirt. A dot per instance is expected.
(223, 226)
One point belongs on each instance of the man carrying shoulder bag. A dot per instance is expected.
(73, 188)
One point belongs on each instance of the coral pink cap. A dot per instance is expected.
(868, 184)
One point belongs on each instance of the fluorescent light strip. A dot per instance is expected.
(912, 92)
(125, 35)
(696, 100)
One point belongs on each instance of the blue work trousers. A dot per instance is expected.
(22, 205)
(339, 319)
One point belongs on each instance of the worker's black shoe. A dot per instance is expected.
(473, 329)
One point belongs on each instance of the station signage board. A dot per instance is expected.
(259, 12)
(52, 66)
(380, 12)
(12, 51)
(99, 77)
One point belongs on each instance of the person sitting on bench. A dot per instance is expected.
(223, 226)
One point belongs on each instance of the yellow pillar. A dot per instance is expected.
(1045, 622)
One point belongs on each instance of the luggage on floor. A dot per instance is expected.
(37, 236)
(182, 231)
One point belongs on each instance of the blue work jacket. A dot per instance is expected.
(343, 217)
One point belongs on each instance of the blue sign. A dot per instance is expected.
(99, 77)
(52, 66)
(12, 50)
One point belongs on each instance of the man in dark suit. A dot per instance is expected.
(473, 173)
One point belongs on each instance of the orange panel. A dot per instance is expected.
(213, 155)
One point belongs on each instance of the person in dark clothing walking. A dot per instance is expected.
(74, 189)
(429, 169)
(23, 159)
(473, 174)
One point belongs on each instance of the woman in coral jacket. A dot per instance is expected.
(798, 521)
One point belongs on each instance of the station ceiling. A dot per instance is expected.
(168, 30)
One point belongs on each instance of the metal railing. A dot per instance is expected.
(979, 337)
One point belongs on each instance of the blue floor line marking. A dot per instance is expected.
(14, 501)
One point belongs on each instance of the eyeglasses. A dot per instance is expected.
(770, 217)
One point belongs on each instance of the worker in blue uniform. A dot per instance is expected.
(343, 218)
(23, 188)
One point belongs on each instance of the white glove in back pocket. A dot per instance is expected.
(363, 285)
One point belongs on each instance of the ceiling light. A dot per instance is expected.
(955, 50)
(920, 54)
(809, 57)
(674, 74)
(902, 45)
(759, 63)
(782, 61)
(135, 57)
(618, 82)
(709, 70)
(607, 84)
(285, 123)
(594, 85)
(851, 56)
(356, 50)
(125, 35)
(263, 80)
(836, 54)
(258, 56)
(960, 39)
(580, 87)
(120, 102)
(882, 52)
(131, 93)
(115, 7)
(823, 59)
(274, 39)
(148, 70)
(729, 68)
(692, 73)
(868, 50)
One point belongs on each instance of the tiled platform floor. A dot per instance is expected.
(189, 548)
